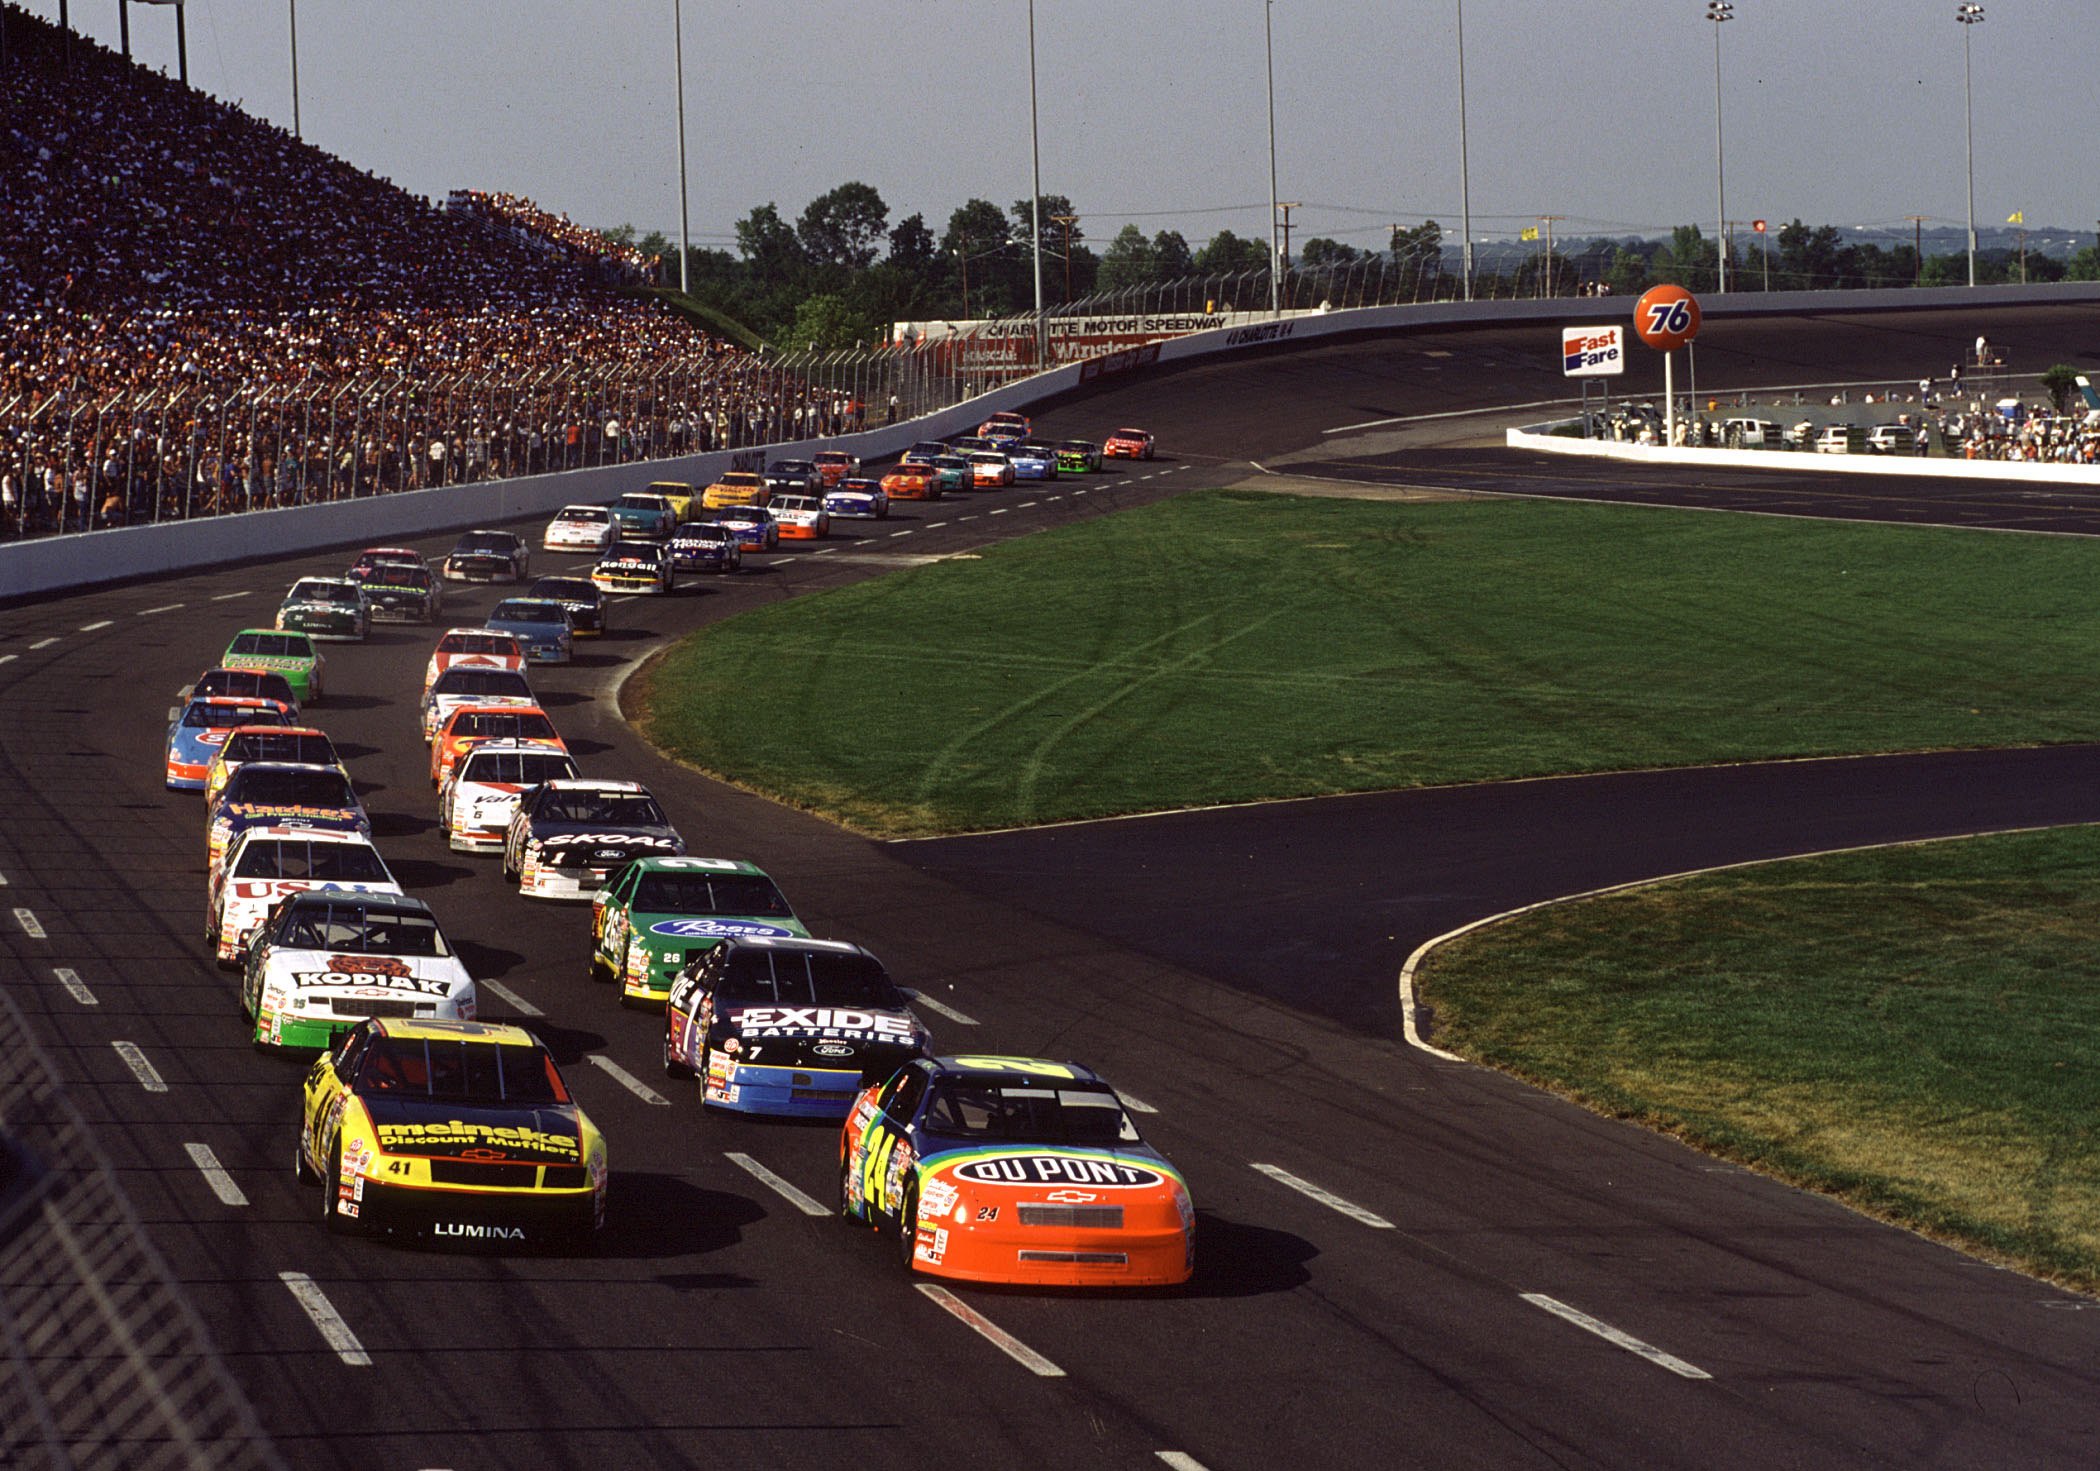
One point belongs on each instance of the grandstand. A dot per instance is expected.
(199, 313)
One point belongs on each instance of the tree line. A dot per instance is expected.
(840, 273)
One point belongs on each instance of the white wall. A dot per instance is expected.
(1536, 437)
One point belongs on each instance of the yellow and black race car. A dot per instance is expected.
(459, 1131)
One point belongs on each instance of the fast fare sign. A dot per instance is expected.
(1592, 352)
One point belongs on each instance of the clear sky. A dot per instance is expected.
(1846, 112)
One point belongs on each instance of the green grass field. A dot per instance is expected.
(1913, 1030)
(1228, 647)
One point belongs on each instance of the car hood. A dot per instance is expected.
(447, 1129)
(405, 976)
(705, 930)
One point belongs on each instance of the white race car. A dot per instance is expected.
(579, 529)
(325, 960)
(267, 863)
(481, 795)
(472, 648)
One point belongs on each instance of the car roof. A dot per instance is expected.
(502, 1033)
(797, 943)
(699, 865)
(393, 903)
(302, 835)
(593, 784)
(1015, 1069)
(275, 730)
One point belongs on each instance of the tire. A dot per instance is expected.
(330, 1182)
(908, 1226)
(672, 1067)
(301, 1170)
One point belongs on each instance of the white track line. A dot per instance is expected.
(75, 987)
(930, 525)
(966, 518)
(227, 597)
(511, 998)
(808, 1205)
(163, 608)
(215, 1174)
(1079, 492)
(1181, 1460)
(1026, 504)
(895, 534)
(998, 1337)
(628, 1080)
(326, 1318)
(42, 643)
(8, 658)
(3, 877)
(922, 999)
(1327, 1198)
(96, 627)
(1002, 510)
(144, 1071)
(1610, 1334)
(31, 925)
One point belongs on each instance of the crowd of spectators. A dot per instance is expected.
(2040, 436)
(544, 230)
(200, 313)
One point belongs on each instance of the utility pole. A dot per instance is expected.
(1287, 205)
(1917, 248)
(296, 133)
(124, 26)
(1067, 221)
(685, 243)
(1546, 271)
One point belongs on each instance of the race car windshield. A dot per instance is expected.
(641, 503)
(512, 727)
(274, 645)
(398, 574)
(1025, 1115)
(458, 681)
(808, 978)
(286, 787)
(519, 610)
(355, 929)
(612, 809)
(527, 768)
(700, 893)
(565, 589)
(218, 717)
(244, 683)
(590, 515)
(468, 546)
(477, 643)
(305, 748)
(461, 1072)
(703, 531)
(349, 863)
(323, 592)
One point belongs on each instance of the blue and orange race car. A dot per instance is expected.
(197, 733)
(1015, 1169)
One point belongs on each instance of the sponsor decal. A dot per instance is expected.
(937, 1198)
(476, 1233)
(307, 980)
(715, 929)
(369, 965)
(588, 840)
(820, 1021)
(988, 1213)
(289, 813)
(832, 1049)
(1266, 332)
(1057, 1169)
(456, 1135)
(1587, 352)
(1117, 362)
(1071, 1197)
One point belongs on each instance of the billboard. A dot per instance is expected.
(1592, 352)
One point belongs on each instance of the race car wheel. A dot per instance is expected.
(908, 1226)
(673, 1068)
(301, 1169)
(330, 1183)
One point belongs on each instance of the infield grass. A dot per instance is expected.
(1231, 647)
(1914, 1030)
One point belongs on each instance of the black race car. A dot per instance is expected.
(580, 596)
(401, 593)
(568, 836)
(488, 556)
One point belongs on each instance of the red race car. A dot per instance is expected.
(1128, 444)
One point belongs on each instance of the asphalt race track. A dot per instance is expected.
(1403, 1261)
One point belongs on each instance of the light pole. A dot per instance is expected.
(1067, 222)
(678, 60)
(1719, 12)
(1465, 194)
(1268, 32)
(295, 69)
(1035, 192)
(1969, 15)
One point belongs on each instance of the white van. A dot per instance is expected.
(1838, 439)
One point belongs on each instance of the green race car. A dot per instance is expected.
(284, 652)
(656, 915)
(1078, 457)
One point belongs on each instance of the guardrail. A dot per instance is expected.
(103, 1362)
(83, 559)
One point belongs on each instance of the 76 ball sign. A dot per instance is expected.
(1666, 317)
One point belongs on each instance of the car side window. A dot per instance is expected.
(350, 1054)
(900, 1099)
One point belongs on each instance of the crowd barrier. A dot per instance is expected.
(1542, 438)
(83, 559)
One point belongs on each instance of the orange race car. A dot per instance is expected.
(470, 725)
(1015, 1169)
(834, 465)
(912, 482)
(1127, 444)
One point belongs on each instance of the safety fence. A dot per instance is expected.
(103, 1363)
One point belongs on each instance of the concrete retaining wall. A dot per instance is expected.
(58, 563)
(1539, 437)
